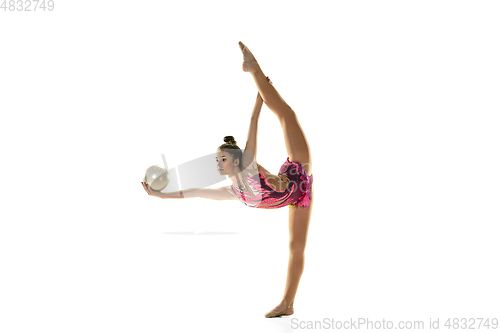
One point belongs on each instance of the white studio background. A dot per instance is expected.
(399, 102)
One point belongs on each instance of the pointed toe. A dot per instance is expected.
(242, 46)
(272, 314)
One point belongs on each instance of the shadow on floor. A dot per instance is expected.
(203, 233)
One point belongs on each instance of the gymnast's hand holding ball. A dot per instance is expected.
(152, 192)
(155, 180)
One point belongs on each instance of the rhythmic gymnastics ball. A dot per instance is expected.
(157, 177)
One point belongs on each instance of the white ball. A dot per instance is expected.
(157, 178)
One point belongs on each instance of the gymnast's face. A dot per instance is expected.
(225, 163)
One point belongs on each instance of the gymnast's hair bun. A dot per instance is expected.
(229, 140)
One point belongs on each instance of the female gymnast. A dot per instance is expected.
(258, 188)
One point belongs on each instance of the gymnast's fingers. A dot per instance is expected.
(145, 187)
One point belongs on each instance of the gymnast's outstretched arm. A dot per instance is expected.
(250, 153)
(221, 193)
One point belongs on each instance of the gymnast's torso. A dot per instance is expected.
(269, 191)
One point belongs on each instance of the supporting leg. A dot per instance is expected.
(298, 225)
(299, 219)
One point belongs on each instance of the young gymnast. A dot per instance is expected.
(258, 188)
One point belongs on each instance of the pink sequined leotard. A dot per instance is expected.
(297, 193)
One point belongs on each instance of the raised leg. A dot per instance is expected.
(295, 140)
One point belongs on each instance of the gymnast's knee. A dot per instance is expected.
(297, 248)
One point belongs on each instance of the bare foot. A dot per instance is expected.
(280, 308)
(249, 62)
(289, 311)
